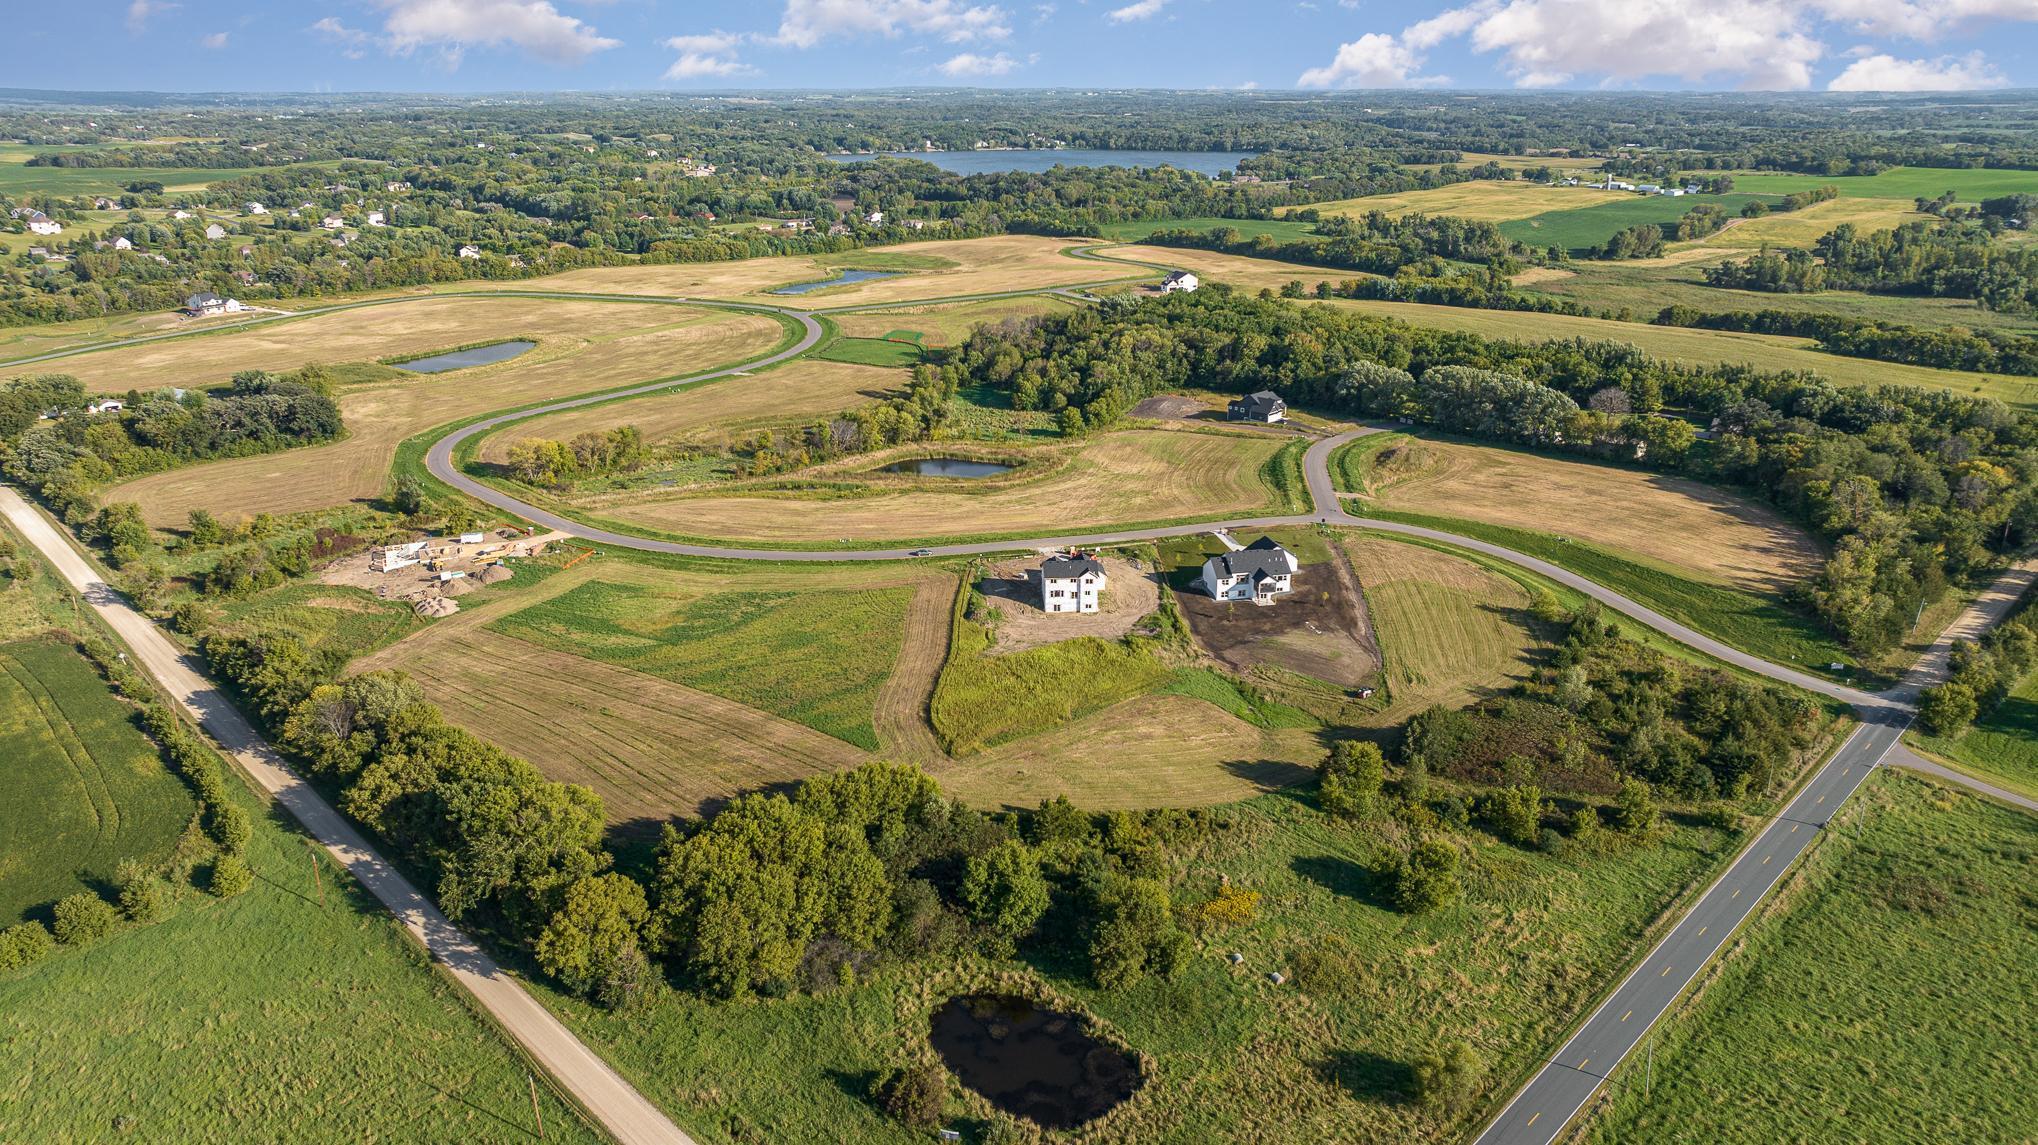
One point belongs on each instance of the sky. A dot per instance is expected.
(631, 45)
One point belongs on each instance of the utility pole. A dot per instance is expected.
(535, 1112)
(1649, 1082)
(317, 879)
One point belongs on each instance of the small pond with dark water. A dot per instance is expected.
(461, 359)
(1031, 1062)
(946, 467)
(842, 278)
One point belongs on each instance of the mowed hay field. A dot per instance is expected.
(1120, 478)
(1884, 996)
(1450, 631)
(85, 789)
(1805, 227)
(1232, 269)
(1695, 529)
(1695, 347)
(667, 340)
(807, 387)
(945, 325)
(979, 266)
(1482, 200)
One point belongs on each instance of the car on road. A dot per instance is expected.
(921, 553)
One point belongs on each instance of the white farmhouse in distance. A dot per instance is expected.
(44, 225)
(377, 219)
(1180, 280)
(1265, 407)
(208, 304)
(255, 208)
(470, 252)
(1071, 583)
(1258, 572)
(215, 231)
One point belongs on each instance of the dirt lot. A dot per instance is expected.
(1319, 630)
(421, 581)
(1014, 587)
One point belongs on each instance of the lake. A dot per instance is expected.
(461, 359)
(842, 278)
(987, 162)
(1030, 1062)
(947, 467)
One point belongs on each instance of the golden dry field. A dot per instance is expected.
(1450, 632)
(947, 325)
(804, 388)
(980, 266)
(1482, 200)
(664, 340)
(1235, 270)
(1696, 530)
(1119, 478)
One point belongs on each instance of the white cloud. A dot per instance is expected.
(808, 22)
(1375, 59)
(215, 41)
(1914, 20)
(1137, 10)
(453, 26)
(972, 64)
(138, 14)
(1884, 72)
(712, 54)
(353, 42)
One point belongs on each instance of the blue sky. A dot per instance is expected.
(496, 45)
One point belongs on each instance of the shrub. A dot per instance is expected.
(915, 1095)
(1348, 780)
(84, 918)
(1329, 965)
(230, 828)
(24, 945)
(141, 893)
(1720, 817)
(1948, 709)
(231, 875)
(1427, 879)
(1447, 1077)
(1231, 906)
(1634, 811)
(1515, 813)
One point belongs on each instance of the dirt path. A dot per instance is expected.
(901, 716)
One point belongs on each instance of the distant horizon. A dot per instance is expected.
(28, 94)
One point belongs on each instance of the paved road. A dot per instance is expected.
(620, 1109)
(1902, 756)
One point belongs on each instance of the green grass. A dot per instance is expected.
(267, 1017)
(982, 700)
(1582, 227)
(818, 658)
(84, 788)
(871, 352)
(1887, 998)
(17, 178)
(1136, 230)
(1972, 184)
(336, 623)
(2002, 746)
(1757, 624)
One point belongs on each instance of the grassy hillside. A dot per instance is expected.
(1576, 228)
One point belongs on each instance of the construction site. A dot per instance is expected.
(431, 572)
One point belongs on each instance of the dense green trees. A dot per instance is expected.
(1349, 779)
(592, 943)
(1949, 259)
(83, 919)
(595, 453)
(1981, 674)
(1004, 890)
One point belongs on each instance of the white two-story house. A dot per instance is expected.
(1258, 572)
(1071, 583)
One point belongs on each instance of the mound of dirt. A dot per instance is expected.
(455, 588)
(494, 574)
(436, 606)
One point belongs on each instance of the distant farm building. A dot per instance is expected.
(470, 252)
(1180, 281)
(1265, 407)
(1071, 583)
(44, 225)
(1258, 572)
(255, 209)
(215, 231)
(332, 222)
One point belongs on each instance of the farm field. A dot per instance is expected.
(1118, 478)
(977, 266)
(2002, 746)
(1885, 996)
(28, 341)
(1905, 183)
(1698, 347)
(1481, 200)
(944, 325)
(297, 1011)
(1237, 270)
(381, 415)
(1695, 529)
(17, 178)
(1450, 632)
(1805, 227)
(1237, 1058)
(1138, 229)
(85, 788)
(1575, 228)
(723, 408)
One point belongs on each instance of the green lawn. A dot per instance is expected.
(1134, 231)
(1972, 184)
(818, 658)
(1582, 227)
(16, 178)
(1886, 998)
(2003, 746)
(84, 788)
(336, 623)
(872, 351)
(267, 1017)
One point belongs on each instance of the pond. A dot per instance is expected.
(842, 278)
(1031, 1062)
(998, 162)
(947, 467)
(461, 359)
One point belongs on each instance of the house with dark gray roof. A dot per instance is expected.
(1258, 572)
(1265, 407)
(1071, 582)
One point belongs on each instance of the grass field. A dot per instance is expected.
(2003, 746)
(1482, 200)
(85, 788)
(1134, 231)
(1699, 347)
(978, 266)
(298, 1011)
(1578, 227)
(1695, 530)
(720, 411)
(17, 178)
(1904, 183)
(872, 351)
(816, 658)
(619, 343)
(1235, 270)
(946, 325)
(1450, 632)
(1885, 995)
(1122, 477)
(1805, 227)
(26, 341)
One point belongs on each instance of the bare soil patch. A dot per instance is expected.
(1013, 587)
(1320, 630)
(1170, 407)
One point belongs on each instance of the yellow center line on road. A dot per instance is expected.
(1626, 1016)
(1701, 931)
(1665, 974)
(1793, 828)
(1766, 858)
(1736, 894)
(1822, 799)
(1532, 1117)
(1584, 1063)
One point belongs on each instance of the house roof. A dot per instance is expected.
(1177, 276)
(1069, 568)
(1261, 402)
(1261, 559)
(207, 299)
